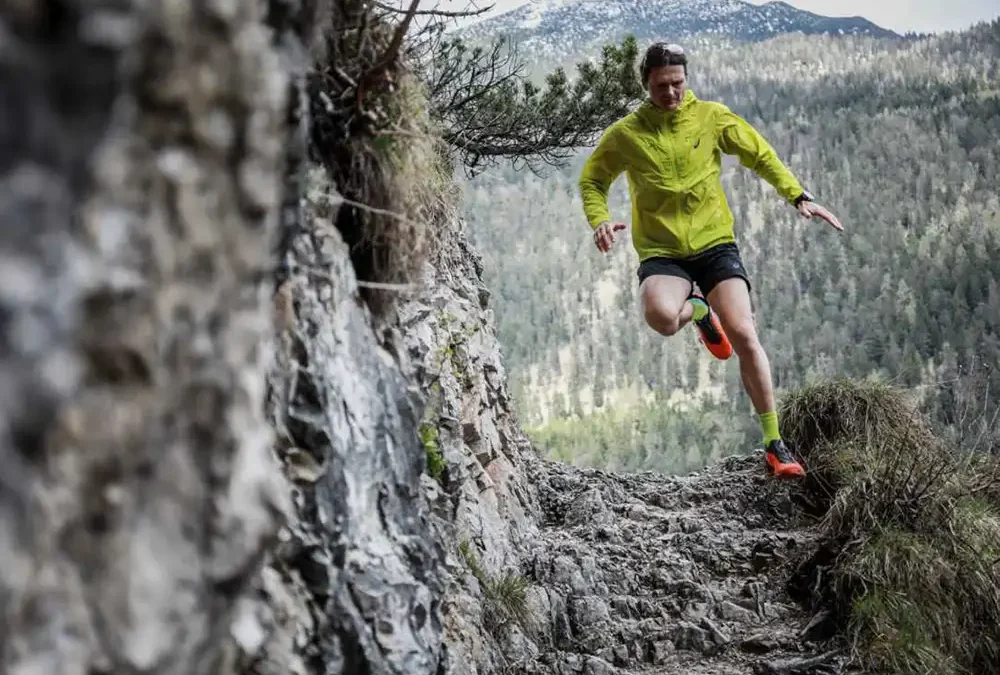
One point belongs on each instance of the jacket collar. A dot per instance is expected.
(656, 116)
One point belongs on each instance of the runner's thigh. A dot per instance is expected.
(665, 294)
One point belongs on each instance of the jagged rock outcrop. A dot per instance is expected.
(356, 582)
(483, 504)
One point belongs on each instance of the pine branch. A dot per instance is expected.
(435, 12)
(489, 110)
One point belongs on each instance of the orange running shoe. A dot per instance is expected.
(710, 330)
(780, 462)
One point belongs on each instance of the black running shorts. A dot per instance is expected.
(706, 269)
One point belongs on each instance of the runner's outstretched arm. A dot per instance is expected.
(600, 170)
(738, 137)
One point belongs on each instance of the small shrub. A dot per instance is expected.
(507, 600)
(383, 154)
(505, 597)
(436, 464)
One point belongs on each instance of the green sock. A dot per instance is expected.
(700, 309)
(769, 425)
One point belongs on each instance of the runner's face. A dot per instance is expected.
(666, 86)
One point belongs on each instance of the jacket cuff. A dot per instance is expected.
(801, 195)
(596, 222)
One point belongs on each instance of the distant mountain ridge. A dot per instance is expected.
(556, 29)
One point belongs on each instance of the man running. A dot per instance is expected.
(682, 228)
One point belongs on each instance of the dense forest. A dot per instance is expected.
(898, 138)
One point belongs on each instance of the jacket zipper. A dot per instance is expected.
(679, 206)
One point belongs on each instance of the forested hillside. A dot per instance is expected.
(898, 138)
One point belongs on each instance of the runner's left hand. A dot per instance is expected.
(810, 209)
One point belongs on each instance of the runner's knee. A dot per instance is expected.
(743, 337)
(662, 319)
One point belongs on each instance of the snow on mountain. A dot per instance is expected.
(557, 29)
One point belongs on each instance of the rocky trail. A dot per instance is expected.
(645, 573)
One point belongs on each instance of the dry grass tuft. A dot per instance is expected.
(505, 598)
(910, 532)
(841, 426)
(371, 130)
(844, 409)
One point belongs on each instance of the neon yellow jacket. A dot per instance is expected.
(673, 162)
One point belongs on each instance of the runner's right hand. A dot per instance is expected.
(604, 235)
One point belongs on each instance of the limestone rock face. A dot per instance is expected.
(360, 557)
(484, 506)
(139, 190)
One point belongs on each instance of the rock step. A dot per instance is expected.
(645, 573)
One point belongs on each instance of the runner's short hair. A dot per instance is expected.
(661, 54)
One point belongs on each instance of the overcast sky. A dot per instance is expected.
(929, 16)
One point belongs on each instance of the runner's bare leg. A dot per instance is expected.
(731, 301)
(664, 303)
